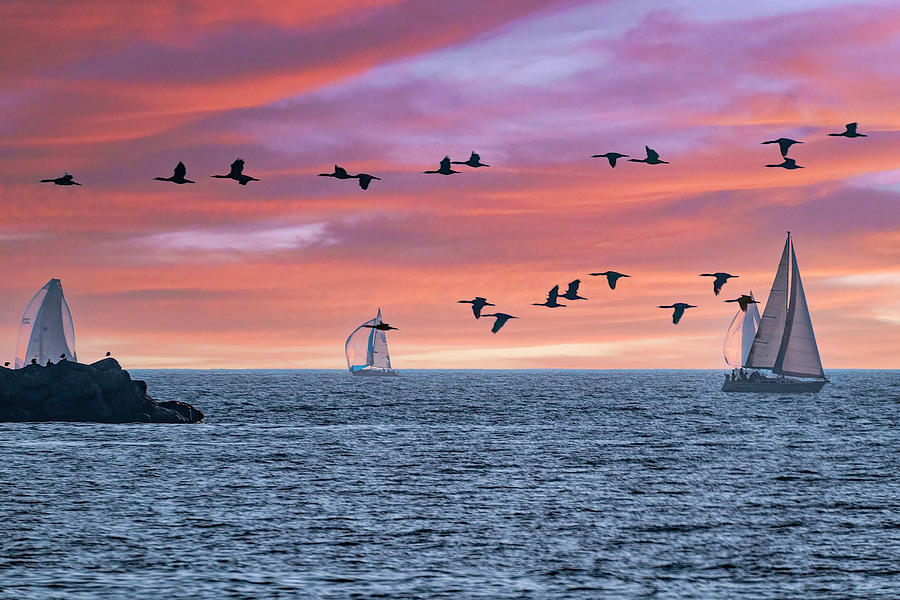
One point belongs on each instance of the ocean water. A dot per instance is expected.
(463, 484)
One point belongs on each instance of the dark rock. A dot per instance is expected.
(70, 391)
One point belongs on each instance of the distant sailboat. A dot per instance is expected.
(740, 335)
(46, 331)
(784, 343)
(367, 351)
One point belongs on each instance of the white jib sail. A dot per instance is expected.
(800, 357)
(767, 342)
(46, 331)
(740, 335)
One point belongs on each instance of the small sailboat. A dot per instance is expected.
(740, 335)
(367, 350)
(784, 344)
(46, 331)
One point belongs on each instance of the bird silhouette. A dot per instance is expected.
(237, 173)
(474, 161)
(652, 157)
(177, 175)
(679, 310)
(551, 299)
(849, 131)
(64, 180)
(612, 157)
(789, 163)
(444, 168)
(572, 292)
(6, 364)
(380, 327)
(108, 354)
(743, 301)
(500, 320)
(611, 277)
(477, 304)
(341, 173)
(783, 144)
(720, 279)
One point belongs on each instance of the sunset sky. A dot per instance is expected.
(277, 273)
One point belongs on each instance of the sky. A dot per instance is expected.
(277, 274)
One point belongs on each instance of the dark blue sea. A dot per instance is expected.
(462, 484)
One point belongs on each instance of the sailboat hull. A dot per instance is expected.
(773, 386)
(375, 373)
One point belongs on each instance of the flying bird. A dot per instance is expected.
(849, 131)
(177, 175)
(612, 157)
(445, 168)
(477, 304)
(720, 279)
(743, 301)
(784, 144)
(679, 310)
(341, 173)
(64, 180)
(611, 277)
(380, 327)
(789, 163)
(572, 292)
(474, 161)
(237, 173)
(551, 299)
(500, 320)
(652, 157)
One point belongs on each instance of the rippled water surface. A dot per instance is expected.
(467, 484)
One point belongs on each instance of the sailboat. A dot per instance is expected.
(46, 330)
(367, 351)
(784, 344)
(740, 335)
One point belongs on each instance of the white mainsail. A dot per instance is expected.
(767, 342)
(366, 348)
(46, 330)
(740, 335)
(799, 355)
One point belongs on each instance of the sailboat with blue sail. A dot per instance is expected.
(367, 351)
(784, 344)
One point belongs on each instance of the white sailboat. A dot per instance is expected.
(784, 344)
(740, 335)
(46, 331)
(367, 351)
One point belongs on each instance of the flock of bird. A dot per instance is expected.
(236, 173)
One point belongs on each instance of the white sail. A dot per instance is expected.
(366, 348)
(799, 355)
(767, 342)
(740, 335)
(46, 330)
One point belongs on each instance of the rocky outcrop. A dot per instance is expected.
(70, 391)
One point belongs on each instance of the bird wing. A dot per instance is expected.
(339, 170)
(180, 171)
(851, 127)
(784, 145)
(612, 278)
(237, 167)
(552, 294)
(445, 163)
(475, 158)
(573, 288)
(676, 316)
(651, 153)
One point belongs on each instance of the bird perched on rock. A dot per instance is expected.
(784, 144)
(849, 131)
(550, 302)
(237, 173)
(611, 277)
(177, 175)
(380, 327)
(341, 173)
(474, 161)
(743, 301)
(679, 310)
(477, 304)
(500, 320)
(612, 157)
(444, 168)
(652, 157)
(572, 292)
(64, 180)
(789, 164)
(719, 281)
